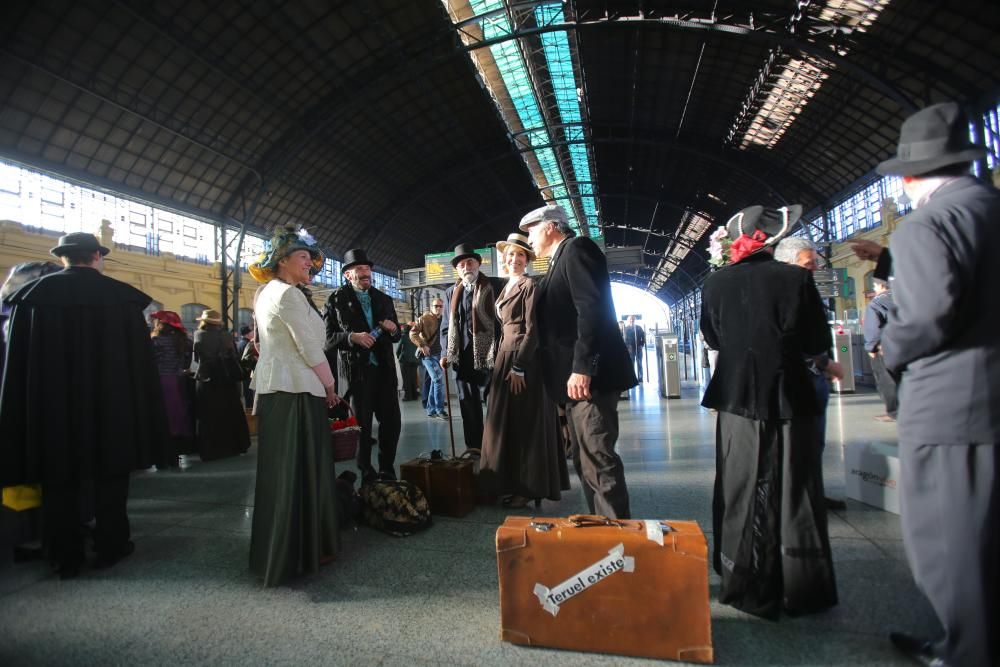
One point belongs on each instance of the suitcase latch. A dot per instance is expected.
(542, 526)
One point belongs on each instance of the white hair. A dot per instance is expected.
(788, 249)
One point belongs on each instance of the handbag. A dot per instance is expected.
(344, 435)
(22, 497)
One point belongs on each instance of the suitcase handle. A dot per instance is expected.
(584, 520)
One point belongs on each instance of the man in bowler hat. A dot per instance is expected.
(584, 360)
(81, 403)
(943, 336)
(369, 318)
(468, 328)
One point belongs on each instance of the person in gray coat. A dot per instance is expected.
(876, 317)
(943, 336)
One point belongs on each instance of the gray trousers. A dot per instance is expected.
(950, 504)
(593, 432)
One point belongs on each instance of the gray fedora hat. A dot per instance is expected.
(78, 241)
(930, 139)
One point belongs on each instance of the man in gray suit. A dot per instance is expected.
(944, 335)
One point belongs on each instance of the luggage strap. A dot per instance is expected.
(584, 520)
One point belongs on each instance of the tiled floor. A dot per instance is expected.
(187, 597)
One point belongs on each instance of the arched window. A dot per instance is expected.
(190, 312)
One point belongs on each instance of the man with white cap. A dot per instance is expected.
(584, 360)
(943, 336)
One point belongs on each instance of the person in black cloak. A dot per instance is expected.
(80, 406)
(764, 317)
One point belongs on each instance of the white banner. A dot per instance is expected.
(615, 561)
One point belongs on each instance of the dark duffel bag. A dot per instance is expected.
(396, 508)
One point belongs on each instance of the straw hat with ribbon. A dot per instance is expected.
(210, 316)
(518, 241)
(286, 240)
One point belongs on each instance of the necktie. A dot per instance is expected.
(366, 307)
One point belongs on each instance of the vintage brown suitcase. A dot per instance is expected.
(587, 583)
(448, 484)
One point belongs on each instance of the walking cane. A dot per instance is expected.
(447, 397)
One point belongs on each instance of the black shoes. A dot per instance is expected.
(920, 651)
(834, 504)
(107, 560)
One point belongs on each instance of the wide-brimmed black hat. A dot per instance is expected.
(464, 251)
(774, 223)
(354, 257)
(78, 241)
(930, 139)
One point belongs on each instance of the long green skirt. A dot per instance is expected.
(295, 513)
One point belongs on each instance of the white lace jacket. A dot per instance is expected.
(291, 335)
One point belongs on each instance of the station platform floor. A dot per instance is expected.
(186, 596)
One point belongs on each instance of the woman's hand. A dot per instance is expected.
(332, 398)
(516, 383)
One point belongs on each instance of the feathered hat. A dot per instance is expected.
(286, 240)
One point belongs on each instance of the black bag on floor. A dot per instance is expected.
(396, 508)
(348, 501)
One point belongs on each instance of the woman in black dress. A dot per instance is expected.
(222, 425)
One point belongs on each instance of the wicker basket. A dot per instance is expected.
(345, 441)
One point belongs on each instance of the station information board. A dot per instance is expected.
(439, 270)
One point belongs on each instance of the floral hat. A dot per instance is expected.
(286, 240)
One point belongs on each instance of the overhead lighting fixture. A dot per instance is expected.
(785, 85)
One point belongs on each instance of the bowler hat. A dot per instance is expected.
(78, 241)
(464, 251)
(519, 241)
(930, 139)
(354, 257)
(774, 223)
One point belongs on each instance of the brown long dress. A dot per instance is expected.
(522, 443)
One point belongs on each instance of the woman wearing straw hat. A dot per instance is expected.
(295, 515)
(222, 428)
(522, 445)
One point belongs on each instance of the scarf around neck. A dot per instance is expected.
(483, 318)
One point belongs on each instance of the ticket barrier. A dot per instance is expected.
(668, 362)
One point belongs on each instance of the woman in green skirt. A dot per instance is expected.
(295, 518)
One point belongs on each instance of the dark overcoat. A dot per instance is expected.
(578, 329)
(81, 396)
(764, 317)
(343, 315)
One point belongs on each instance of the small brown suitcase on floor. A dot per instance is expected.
(251, 421)
(448, 484)
(587, 583)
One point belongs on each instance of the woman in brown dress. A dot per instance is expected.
(522, 444)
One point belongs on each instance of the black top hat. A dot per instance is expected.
(355, 257)
(78, 241)
(464, 251)
(775, 223)
(932, 138)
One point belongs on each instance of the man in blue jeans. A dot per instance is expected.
(424, 335)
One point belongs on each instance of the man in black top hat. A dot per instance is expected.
(584, 361)
(765, 318)
(81, 405)
(943, 336)
(369, 317)
(468, 328)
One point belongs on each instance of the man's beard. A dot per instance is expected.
(359, 286)
(470, 277)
